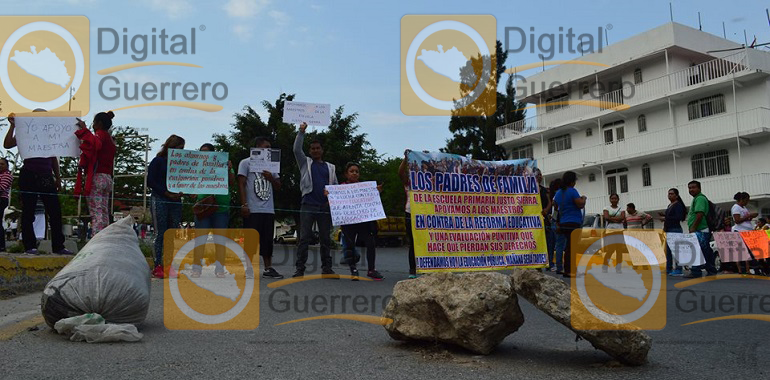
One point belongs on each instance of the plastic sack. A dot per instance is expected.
(67, 325)
(109, 276)
(92, 329)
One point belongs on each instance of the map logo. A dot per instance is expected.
(618, 284)
(214, 286)
(45, 63)
(448, 65)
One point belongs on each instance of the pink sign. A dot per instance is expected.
(731, 247)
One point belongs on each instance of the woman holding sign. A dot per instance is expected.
(166, 206)
(97, 156)
(365, 230)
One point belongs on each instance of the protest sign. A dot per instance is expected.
(685, 249)
(47, 134)
(197, 172)
(262, 159)
(355, 203)
(643, 241)
(731, 247)
(758, 243)
(470, 215)
(310, 113)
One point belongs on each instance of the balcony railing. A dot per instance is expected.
(630, 95)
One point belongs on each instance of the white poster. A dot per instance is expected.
(262, 159)
(685, 249)
(310, 113)
(355, 203)
(47, 134)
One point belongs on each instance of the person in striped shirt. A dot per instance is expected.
(6, 180)
(636, 219)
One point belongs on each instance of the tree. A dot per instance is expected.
(477, 135)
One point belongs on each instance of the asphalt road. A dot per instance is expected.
(326, 349)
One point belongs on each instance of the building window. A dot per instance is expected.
(586, 88)
(614, 132)
(637, 76)
(522, 152)
(642, 121)
(711, 105)
(592, 177)
(557, 102)
(589, 132)
(711, 164)
(646, 177)
(559, 143)
(615, 175)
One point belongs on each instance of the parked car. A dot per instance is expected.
(288, 237)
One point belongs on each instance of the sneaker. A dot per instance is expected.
(299, 273)
(691, 275)
(271, 273)
(158, 272)
(354, 273)
(32, 251)
(373, 274)
(195, 274)
(220, 274)
(64, 251)
(412, 276)
(553, 269)
(328, 273)
(676, 273)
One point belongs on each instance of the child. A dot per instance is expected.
(367, 230)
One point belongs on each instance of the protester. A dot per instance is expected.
(6, 181)
(545, 202)
(403, 173)
(742, 217)
(97, 157)
(207, 219)
(558, 248)
(636, 219)
(569, 203)
(366, 230)
(697, 224)
(762, 224)
(166, 206)
(614, 216)
(676, 213)
(315, 174)
(257, 192)
(38, 178)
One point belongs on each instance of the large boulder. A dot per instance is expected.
(472, 310)
(552, 296)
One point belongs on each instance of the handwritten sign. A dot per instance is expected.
(758, 243)
(644, 241)
(685, 249)
(47, 134)
(731, 247)
(310, 113)
(262, 159)
(196, 172)
(355, 203)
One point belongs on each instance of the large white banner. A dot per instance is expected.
(355, 203)
(47, 134)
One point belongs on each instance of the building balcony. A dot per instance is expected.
(711, 129)
(718, 189)
(706, 74)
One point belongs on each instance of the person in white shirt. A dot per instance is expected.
(614, 215)
(742, 221)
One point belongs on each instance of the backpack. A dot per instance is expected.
(715, 217)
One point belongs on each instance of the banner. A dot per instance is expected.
(262, 159)
(355, 203)
(731, 247)
(310, 113)
(758, 243)
(685, 249)
(47, 134)
(470, 215)
(197, 172)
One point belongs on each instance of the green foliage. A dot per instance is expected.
(146, 248)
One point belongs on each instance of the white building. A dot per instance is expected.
(671, 105)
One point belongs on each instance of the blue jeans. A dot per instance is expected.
(669, 256)
(550, 243)
(165, 214)
(561, 244)
(219, 220)
(704, 238)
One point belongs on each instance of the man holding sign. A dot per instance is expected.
(315, 174)
(39, 177)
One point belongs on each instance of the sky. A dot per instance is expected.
(345, 53)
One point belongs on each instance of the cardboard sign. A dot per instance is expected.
(731, 247)
(757, 242)
(355, 203)
(47, 134)
(310, 113)
(685, 248)
(262, 159)
(196, 172)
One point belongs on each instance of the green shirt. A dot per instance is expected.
(699, 204)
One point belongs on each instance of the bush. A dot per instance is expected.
(147, 249)
(16, 248)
